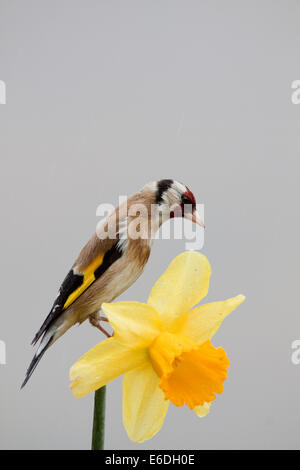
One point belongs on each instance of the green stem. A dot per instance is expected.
(99, 420)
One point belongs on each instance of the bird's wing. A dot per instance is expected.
(94, 259)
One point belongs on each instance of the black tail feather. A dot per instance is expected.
(43, 329)
(36, 359)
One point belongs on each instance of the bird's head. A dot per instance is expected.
(174, 199)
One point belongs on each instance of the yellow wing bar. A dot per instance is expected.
(88, 279)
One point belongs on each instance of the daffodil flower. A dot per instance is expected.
(163, 349)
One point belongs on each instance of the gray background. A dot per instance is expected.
(102, 97)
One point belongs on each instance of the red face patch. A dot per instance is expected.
(190, 196)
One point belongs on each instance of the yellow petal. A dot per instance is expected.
(203, 410)
(144, 405)
(182, 285)
(203, 322)
(135, 324)
(102, 364)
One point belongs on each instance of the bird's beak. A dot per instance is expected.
(194, 217)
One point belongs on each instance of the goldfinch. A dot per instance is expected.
(113, 259)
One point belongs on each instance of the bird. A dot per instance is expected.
(113, 259)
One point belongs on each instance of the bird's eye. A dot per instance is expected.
(185, 200)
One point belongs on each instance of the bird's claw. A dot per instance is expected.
(103, 330)
(96, 322)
